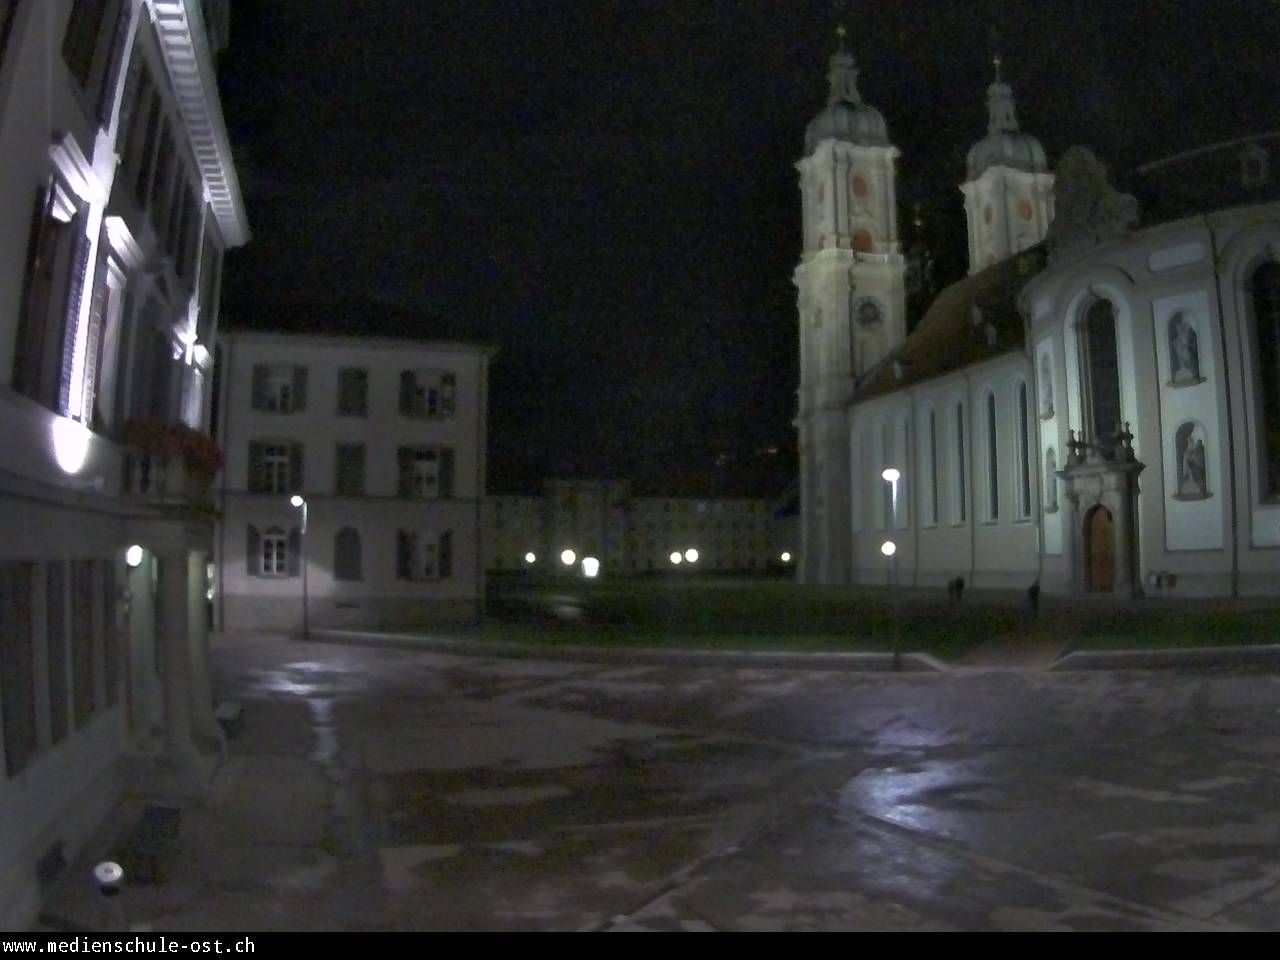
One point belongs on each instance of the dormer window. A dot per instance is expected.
(1255, 166)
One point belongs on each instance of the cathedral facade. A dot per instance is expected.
(1095, 408)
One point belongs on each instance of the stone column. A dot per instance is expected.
(171, 630)
(203, 722)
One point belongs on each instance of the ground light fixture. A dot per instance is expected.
(530, 557)
(676, 558)
(590, 567)
(568, 558)
(888, 548)
(691, 555)
(133, 556)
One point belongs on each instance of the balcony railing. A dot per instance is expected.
(170, 463)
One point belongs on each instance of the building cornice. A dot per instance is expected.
(181, 31)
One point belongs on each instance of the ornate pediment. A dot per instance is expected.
(1087, 209)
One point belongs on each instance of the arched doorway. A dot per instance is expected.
(1100, 550)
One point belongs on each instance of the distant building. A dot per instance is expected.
(1095, 408)
(385, 441)
(630, 534)
(118, 197)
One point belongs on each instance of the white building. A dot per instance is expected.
(118, 197)
(385, 442)
(1137, 452)
(629, 534)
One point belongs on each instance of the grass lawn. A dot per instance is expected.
(772, 614)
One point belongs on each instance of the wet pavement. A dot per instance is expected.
(392, 789)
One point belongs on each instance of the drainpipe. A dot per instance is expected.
(1231, 432)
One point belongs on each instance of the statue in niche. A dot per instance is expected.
(1184, 350)
(1046, 388)
(1051, 481)
(1189, 446)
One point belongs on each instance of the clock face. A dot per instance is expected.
(868, 312)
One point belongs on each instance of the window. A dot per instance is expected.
(57, 256)
(424, 556)
(279, 388)
(427, 393)
(353, 392)
(886, 489)
(17, 667)
(149, 133)
(962, 506)
(81, 39)
(275, 467)
(993, 461)
(1102, 382)
(1024, 455)
(1266, 331)
(346, 555)
(273, 552)
(349, 464)
(933, 467)
(425, 472)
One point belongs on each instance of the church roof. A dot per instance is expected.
(953, 334)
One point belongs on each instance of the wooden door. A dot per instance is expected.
(1100, 534)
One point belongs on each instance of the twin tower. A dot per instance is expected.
(851, 276)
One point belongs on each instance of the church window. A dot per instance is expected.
(862, 240)
(860, 189)
(1024, 455)
(933, 467)
(993, 461)
(1024, 209)
(1266, 330)
(962, 512)
(1102, 373)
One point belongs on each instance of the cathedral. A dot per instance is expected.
(1094, 408)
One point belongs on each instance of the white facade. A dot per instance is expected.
(117, 199)
(1104, 420)
(385, 440)
(629, 534)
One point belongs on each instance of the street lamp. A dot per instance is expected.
(568, 558)
(691, 555)
(299, 502)
(890, 551)
(890, 475)
(675, 558)
(530, 557)
(786, 557)
(590, 567)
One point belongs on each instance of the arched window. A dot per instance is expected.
(1102, 373)
(933, 467)
(1266, 330)
(962, 505)
(346, 555)
(1024, 454)
(993, 461)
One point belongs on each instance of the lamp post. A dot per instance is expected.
(890, 551)
(891, 476)
(297, 501)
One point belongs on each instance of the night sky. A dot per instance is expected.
(606, 189)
